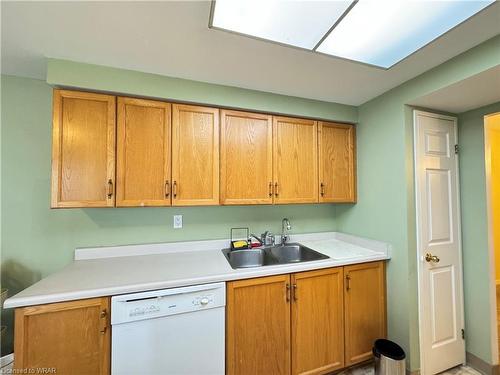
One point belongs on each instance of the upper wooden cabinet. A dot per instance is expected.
(195, 155)
(72, 337)
(295, 162)
(143, 153)
(365, 309)
(258, 326)
(317, 321)
(83, 150)
(168, 154)
(337, 174)
(246, 158)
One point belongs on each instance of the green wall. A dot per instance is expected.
(475, 229)
(37, 241)
(386, 208)
(96, 77)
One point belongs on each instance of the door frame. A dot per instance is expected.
(420, 250)
(491, 248)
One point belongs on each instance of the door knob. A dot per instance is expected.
(431, 258)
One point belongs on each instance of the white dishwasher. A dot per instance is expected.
(176, 331)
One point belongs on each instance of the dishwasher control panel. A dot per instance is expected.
(146, 305)
(204, 300)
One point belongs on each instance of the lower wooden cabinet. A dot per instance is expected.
(365, 309)
(312, 322)
(258, 326)
(69, 337)
(317, 321)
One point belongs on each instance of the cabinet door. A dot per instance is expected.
(317, 321)
(83, 149)
(246, 158)
(195, 156)
(143, 166)
(71, 337)
(258, 326)
(365, 310)
(337, 173)
(295, 162)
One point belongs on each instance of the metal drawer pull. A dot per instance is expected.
(110, 188)
(167, 189)
(104, 321)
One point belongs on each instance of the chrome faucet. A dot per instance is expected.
(285, 227)
(267, 238)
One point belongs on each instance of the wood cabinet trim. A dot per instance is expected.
(57, 134)
(297, 120)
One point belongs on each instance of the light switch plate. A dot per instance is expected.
(177, 221)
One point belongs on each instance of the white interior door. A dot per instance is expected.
(438, 241)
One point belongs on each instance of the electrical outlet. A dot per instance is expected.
(177, 221)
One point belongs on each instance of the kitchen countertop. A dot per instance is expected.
(116, 270)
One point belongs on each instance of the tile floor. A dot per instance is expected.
(369, 370)
(464, 370)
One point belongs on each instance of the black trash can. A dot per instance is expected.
(389, 358)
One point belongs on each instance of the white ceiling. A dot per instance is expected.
(474, 92)
(173, 39)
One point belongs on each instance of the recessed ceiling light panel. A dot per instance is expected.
(375, 32)
(297, 23)
(382, 33)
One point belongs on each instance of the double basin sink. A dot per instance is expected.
(274, 255)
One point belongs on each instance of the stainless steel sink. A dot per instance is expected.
(295, 253)
(289, 253)
(249, 258)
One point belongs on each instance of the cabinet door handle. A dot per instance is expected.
(295, 298)
(167, 189)
(174, 189)
(270, 189)
(287, 293)
(276, 189)
(322, 190)
(348, 282)
(104, 321)
(110, 188)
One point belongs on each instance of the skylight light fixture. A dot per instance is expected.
(374, 32)
(382, 33)
(297, 23)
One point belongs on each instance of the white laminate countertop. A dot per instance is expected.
(108, 271)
